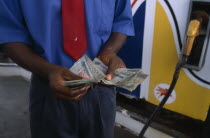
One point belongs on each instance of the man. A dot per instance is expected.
(43, 36)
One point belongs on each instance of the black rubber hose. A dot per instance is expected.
(170, 90)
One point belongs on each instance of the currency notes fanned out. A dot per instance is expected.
(85, 68)
(94, 71)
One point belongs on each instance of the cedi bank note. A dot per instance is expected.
(94, 72)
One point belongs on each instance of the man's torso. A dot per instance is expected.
(43, 20)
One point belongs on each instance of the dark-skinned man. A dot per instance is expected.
(47, 38)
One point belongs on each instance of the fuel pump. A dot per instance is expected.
(193, 52)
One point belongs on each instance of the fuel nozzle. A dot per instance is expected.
(199, 18)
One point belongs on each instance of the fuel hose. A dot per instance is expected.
(170, 90)
(198, 19)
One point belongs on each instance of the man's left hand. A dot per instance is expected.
(113, 62)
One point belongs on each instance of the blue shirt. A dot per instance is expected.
(38, 23)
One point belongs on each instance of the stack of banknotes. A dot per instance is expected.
(95, 71)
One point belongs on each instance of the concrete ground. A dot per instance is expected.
(14, 115)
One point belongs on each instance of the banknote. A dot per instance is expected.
(85, 68)
(79, 82)
(124, 78)
(94, 71)
(119, 77)
(132, 83)
(81, 68)
(100, 65)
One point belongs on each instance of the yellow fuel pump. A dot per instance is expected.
(194, 28)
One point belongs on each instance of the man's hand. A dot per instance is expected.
(113, 62)
(108, 54)
(56, 79)
(48, 71)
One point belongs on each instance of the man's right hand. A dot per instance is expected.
(57, 77)
(54, 73)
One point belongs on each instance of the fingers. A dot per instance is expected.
(110, 72)
(79, 97)
(56, 79)
(72, 95)
(105, 85)
(68, 75)
(61, 96)
(112, 67)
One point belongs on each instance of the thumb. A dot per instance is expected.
(110, 72)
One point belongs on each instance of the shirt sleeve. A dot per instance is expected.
(12, 28)
(123, 20)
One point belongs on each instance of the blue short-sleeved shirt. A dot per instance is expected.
(38, 23)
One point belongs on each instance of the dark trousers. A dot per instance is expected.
(91, 117)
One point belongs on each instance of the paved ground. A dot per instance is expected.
(14, 110)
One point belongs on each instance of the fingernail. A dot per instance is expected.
(109, 77)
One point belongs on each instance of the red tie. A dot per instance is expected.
(74, 28)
